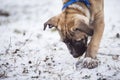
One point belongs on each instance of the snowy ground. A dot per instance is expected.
(29, 53)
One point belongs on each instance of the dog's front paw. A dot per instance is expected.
(90, 63)
(87, 63)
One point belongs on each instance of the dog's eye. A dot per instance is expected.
(77, 29)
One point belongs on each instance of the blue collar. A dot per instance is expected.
(86, 2)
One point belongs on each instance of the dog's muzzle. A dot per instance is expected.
(76, 48)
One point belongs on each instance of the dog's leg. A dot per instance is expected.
(98, 26)
(95, 42)
(96, 38)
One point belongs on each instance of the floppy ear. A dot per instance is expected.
(52, 22)
(83, 27)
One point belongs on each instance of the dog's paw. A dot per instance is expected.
(90, 63)
(87, 63)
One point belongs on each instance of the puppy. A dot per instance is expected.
(78, 21)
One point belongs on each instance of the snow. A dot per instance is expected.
(29, 53)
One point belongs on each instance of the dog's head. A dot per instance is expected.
(73, 30)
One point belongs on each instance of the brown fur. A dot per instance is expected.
(75, 24)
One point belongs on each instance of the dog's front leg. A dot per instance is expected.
(90, 61)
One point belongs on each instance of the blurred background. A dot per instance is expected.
(29, 53)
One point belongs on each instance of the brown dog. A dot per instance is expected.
(76, 23)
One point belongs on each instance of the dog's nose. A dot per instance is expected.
(73, 53)
(76, 48)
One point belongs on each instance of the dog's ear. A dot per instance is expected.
(83, 27)
(52, 22)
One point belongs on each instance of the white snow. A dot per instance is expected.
(29, 53)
